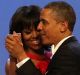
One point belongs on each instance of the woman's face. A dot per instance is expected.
(31, 39)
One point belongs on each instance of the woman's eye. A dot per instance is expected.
(27, 32)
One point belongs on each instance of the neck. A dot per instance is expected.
(64, 35)
(37, 52)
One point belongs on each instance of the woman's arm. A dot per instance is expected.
(10, 66)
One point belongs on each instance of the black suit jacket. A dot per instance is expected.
(66, 61)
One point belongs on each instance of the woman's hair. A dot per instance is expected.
(25, 17)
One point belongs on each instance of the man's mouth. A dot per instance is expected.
(42, 35)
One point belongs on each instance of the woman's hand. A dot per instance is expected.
(15, 46)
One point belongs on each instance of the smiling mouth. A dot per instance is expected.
(36, 41)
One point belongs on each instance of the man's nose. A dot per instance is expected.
(39, 27)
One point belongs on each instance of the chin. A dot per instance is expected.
(45, 42)
(36, 48)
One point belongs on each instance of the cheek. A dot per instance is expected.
(51, 33)
(26, 37)
(26, 40)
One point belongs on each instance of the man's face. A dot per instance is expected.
(48, 27)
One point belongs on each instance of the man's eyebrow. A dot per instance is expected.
(42, 20)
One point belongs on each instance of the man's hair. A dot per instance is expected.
(64, 12)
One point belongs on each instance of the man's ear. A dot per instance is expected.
(63, 26)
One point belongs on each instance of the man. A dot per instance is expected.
(56, 27)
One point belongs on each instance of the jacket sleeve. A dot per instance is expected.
(28, 68)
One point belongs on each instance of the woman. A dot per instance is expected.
(23, 28)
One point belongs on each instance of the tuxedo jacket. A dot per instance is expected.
(66, 61)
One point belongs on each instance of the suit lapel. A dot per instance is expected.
(60, 50)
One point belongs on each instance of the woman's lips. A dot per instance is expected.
(36, 41)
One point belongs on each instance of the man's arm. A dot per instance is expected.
(28, 68)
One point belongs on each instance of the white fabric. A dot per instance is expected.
(22, 62)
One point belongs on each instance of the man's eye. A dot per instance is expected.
(44, 22)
